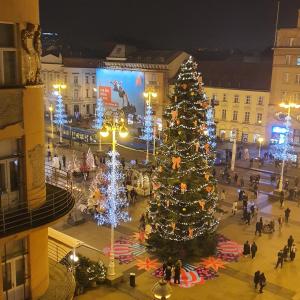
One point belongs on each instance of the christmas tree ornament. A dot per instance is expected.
(174, 114)
(160, 169)
(176, 162)
(168, 203)
(155, 185)
(209, 189)
(183, 187)
(206, 177)
(206, 147)
(202, 204)
(173, 225)
(197, 146)
(195, 123)
(191, 232)
(175, 98)
(184, 209)
(177, 121)
(184, 86)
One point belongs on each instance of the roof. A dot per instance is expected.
(79, 62)
(236, 75)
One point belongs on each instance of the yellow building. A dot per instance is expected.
(285, 85)
(241, 91)
(28, 206)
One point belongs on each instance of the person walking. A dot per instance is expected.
(63, 161)
(262, 282)
(49, 155)
(253, 249)
(285, 252)
(279, 259)
(281, 199)
(293, 252)
(256, 279)
(248, 217)
(177, 270)
(236, 177)
(287, 215)
(234, 207)
(246, 251)
(290, 242)
(280, 222)
(258, 228)
(168, 273)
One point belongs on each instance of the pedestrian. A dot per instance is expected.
(234, 207)
(261, 223)
(286, 185)
(253, 249)
(49, 155)
(258, 228)
(293, 252)
(272, 225)
(256, 278)
(290, 242)
(248, 217)
(287, 215)
(280, 222)
(64, 161)
(279, 259)
(177, 270)
(168, 273)
(242, 182)
(223, 196)
(236, 176)
(262, 282)
(285, 252)
(246, 251)
(281, 199)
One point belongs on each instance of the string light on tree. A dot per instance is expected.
(99, 117)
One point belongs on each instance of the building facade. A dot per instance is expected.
(285, 85)
(25, 213)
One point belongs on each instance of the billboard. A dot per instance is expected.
(122, 89)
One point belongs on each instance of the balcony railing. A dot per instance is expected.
(59, 201)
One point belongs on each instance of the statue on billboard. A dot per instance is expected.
(117, 87)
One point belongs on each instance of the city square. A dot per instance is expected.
(149, 162)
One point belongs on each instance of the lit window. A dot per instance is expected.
(75, 94)
(260, 100)
(75, 79)
(93, 79)
(298, 78)
(248, 99)
(86, 79)
(259, 118)
(234, 115)
(223, 114)
(236, 99)
(298, 61)
(87, 92)
(247, 117)
(291, 42)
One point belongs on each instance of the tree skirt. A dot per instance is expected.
(126, 250)
(228, 250)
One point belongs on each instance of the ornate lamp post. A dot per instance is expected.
(260, 141)
(114, 121)
(162, 290)
(148, 130)
(286, 141)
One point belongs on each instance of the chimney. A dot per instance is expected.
(298, 23)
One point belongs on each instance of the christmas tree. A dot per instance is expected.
(113, 210)
(90, 160)
(60, 117)
(184, 201)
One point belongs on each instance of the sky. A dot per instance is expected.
(168, 24)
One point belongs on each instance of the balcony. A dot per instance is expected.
(59, 201)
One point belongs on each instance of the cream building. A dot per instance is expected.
(285, 85)
(27, 205)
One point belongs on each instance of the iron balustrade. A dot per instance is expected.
(59, 201)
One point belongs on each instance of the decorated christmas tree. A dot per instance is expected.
(60, 117)
(184, 201)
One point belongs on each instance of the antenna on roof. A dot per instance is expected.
(276, 25)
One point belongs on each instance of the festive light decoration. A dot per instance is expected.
(60, 117)
(148, 125)
(214, 263)
(99, 114)
(114, 207)
(185, 198)
(90, 160)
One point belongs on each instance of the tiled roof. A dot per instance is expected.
(73, 62)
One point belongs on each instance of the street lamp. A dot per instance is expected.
(162, 290)
(260, 140)
(287, 124)
(113, 122)
(62, 115)
(148, 120)
(51, 119)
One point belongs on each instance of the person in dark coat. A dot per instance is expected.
(246, 251)
(64, 161)
(290, 242)
(256, 278)
(287, 215)
(279, 259)
(248, 217)
(253, 249)
(262, 282)
(168, 273)
(258, 228)
(281, 199)
(285, 252)
(177, 270)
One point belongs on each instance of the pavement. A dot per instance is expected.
(236, 280)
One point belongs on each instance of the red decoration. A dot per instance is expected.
(214, 263)
(209, 188)
(174, 114)
(176, 162)
(206, 147)
(202, 204)
(183, 187)
(147, 264)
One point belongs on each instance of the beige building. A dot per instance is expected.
(27, 205)
(285, 85)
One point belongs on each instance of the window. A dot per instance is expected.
(259, 118)
(236, 99)
(94, 94)
(287, 59)
(87, 93)
(260, 100)
(50, 77)
(286, 77)
(8, 56)
(298, 61)
(247, 117)
(224, 98)
(248, 99)
(75, 79)
(234, 115)
(291, 41)
(75, 94)
(298, 78)
(223, 114)
(86, 79)
(93, 79)
(87, 109)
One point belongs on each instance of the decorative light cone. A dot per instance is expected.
(162, 290)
